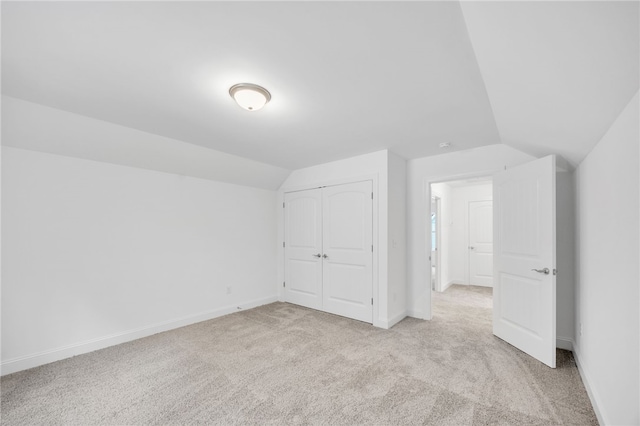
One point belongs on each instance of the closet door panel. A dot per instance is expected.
(303, 248)
(347, 249)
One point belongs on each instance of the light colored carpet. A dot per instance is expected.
(283, 364)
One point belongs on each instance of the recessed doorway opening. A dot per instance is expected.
(461, 257)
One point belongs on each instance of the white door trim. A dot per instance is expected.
(438, 260)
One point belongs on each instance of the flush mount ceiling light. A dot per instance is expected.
(250, 96)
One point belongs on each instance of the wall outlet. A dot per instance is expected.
(228, 289)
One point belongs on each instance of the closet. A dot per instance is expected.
(328, 249)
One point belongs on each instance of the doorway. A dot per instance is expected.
(524, 251)
(461, 233)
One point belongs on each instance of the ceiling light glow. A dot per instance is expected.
(250, 96)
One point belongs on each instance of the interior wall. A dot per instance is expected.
(461, 196)
(95, 254)
(482, 161)
(565, 260)
(397, 281)
(443, 191)
(607, 272)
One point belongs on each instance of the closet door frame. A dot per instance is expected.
(375, 235)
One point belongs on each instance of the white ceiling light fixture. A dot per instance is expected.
(250, 96)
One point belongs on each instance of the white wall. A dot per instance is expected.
(456, 165)
(565, 260)
(461, 196)
(28, 125)
(443, 191)
(94, 254)
(397, 282)
(370, 166)
(607, 271)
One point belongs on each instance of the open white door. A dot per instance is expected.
(524, 294)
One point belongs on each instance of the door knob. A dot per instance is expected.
(324, 256)
(542, 271)
(316, 255)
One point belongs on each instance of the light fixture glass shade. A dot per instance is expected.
(250, 96)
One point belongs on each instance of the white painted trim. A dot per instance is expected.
(480, 285)
(591, 391)
(415, 314)
(438, 201)
(396, 319)
(46, 357)
(449, 284)
(564, 343)
(328, 182)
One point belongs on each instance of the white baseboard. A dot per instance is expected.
(483, 285)
(449, 284)
(29, 361)
(593, 395)
(414, 313)
(564, 343)
(393, 321)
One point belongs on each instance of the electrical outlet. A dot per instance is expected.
(228, 289)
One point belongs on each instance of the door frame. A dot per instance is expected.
(437, 285)
(424, 299)
(380, 248)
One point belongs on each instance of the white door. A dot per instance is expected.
(303, 248)
(481, 243)
(524, 295)
(348, 250)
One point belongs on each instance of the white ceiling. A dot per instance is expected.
(558, 73)
(346, 78)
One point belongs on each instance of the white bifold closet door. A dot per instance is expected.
(329, 249)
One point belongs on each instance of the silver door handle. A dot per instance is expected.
(542, 271)
(316, 255)
(324, 256)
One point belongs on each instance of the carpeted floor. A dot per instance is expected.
(283, 364)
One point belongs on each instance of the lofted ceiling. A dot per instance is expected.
(347, 78)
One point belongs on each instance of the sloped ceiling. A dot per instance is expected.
(557, 73)
(347, 78)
